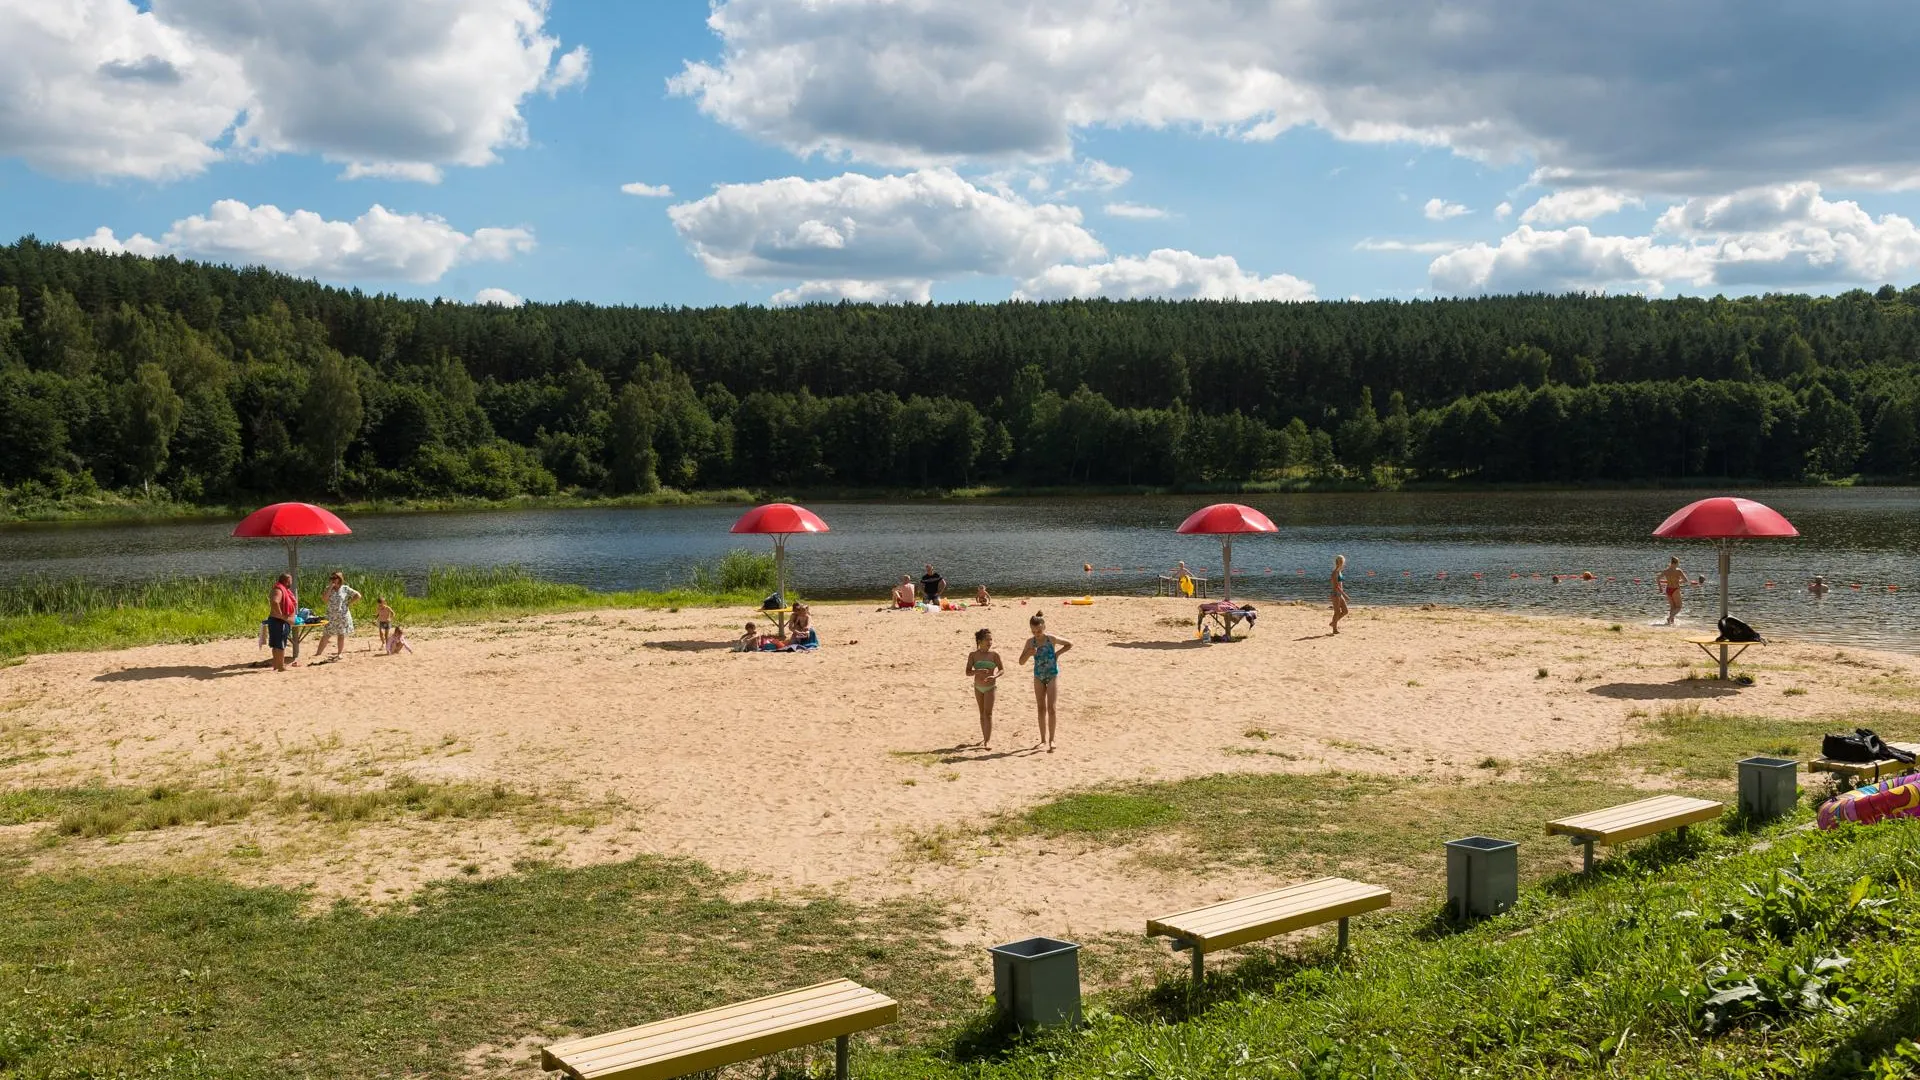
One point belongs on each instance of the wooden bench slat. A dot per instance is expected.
(671, 1039)
(1635, 820)
(708, 1040)
(1237, 922)
(698, 1053)
(740, 1008)
(1270, 907)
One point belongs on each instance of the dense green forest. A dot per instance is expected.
(211, 383)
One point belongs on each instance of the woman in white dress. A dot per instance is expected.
(340, 597)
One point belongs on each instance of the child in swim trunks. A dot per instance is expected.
(985, 667)
(1045, 651)
(384, 616)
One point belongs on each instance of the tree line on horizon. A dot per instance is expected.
(209, 382)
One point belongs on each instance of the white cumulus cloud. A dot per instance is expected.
(648, 191)
(864, 292)
(1134, 210)
(391, 90)
(1442, 210)
(1612, 95)
(1165, 273)
(1425, 247)
(903, 231)
(1503, 211)
(498, 297)
(378, 245)
(98, 88)
(1576, 204)
(1774, 236)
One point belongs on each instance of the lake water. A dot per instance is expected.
(1398, 547)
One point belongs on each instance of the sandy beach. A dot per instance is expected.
(819, 771)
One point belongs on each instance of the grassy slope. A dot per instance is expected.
(69, 616)
(125, 974)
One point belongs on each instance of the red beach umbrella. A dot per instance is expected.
(780, 520)
(290, 522)
(1723, 520)
(1226, 520)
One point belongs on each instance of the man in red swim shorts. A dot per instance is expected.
(1672, 579)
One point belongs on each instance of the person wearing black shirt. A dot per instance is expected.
(932, 585)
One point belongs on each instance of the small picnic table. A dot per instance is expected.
(297, 632)
(1870, 771)
(1224, 620)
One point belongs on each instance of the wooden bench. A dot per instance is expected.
(1265, 915)
(1871, 771)
(1634, 820)
(725, 1036)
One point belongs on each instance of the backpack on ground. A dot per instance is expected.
(1862, 747)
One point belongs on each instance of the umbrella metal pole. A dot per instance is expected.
(1226, 571)
(780, 581)
(1726, 562)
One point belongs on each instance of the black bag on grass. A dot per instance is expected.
(1732, 629)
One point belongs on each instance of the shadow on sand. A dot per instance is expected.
(688, 646)
(1194, 643)
(181, 671)
(1681, 690)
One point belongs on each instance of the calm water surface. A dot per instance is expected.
(1398, 547)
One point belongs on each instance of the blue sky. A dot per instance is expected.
(904, 150)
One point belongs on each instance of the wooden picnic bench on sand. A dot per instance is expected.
(1268, 914)
(709, 1040)
(1723, 658)
(1632, 821)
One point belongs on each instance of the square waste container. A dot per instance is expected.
(1036, 982)
(1769, 787)
(1483, 876)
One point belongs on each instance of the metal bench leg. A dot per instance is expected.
(1199, 966)
(1341, 945)
(840, 1058)
(1586, 859)
(1683, 834)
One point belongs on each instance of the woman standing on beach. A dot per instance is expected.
(1339, 583)
(1045, 651)
(340, 597)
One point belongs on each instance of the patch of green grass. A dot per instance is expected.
(404, 795)
(111, 974)
(1694, 745)
(1101, 813)
(107, 811)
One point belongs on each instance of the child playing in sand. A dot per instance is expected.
(981, 598)
(985, 667)
(753, 640)
(396, 641)
(383, 615)
(1045, 651)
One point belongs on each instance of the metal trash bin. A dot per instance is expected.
(1769, 787)
(1036, 982)
(1483, 876)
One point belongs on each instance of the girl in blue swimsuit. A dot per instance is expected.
(984, 665)
(1339, 590)
(1045, 651)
